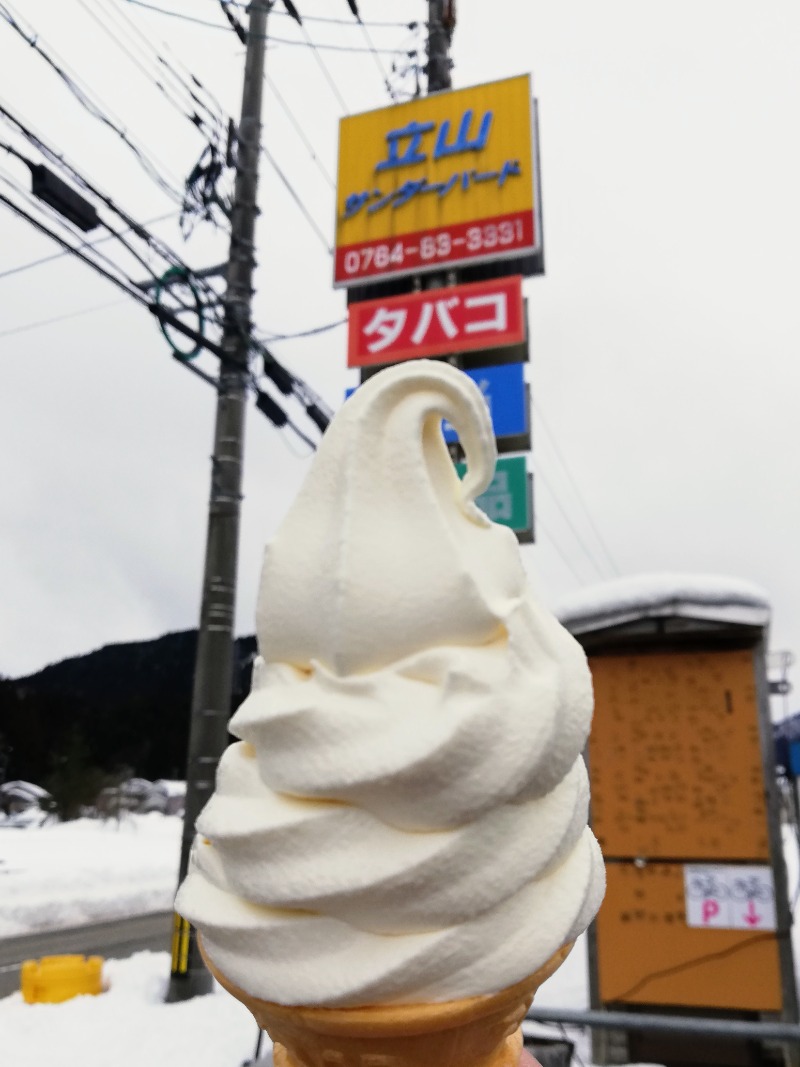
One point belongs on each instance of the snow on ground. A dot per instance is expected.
(66, 874)
(87, 871)
(129, 1025)
(60, 875)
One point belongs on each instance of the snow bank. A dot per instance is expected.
(129, 1025)
(67, 874)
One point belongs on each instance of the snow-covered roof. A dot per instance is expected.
(173, 788)
(708, 597)
(23, 789)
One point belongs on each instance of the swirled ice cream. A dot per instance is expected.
(404, 818)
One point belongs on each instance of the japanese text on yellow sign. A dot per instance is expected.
(446, 178)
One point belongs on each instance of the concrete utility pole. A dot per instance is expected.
(441, 22)
(213, 676)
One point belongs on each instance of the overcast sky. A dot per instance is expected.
(664, 336)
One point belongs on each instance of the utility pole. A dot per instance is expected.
(441, 22)
(211, 697)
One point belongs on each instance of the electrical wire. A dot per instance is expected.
(270, 158)
(570, 476)
(53, 215)
(321, 64)
(128, 286)
(314, 407)
(269, 36)
(554, 542)
(308, 333)
(379, 64)
(694, 962)
(85, 244)
(168, 94)
(587, 551)
(292, 118)
(210, 105)
(158, 246)
(59, 318)
(328, 47)
(82, 95)
(243, 5)
(178, 15)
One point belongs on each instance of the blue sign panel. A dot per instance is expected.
(503, 389)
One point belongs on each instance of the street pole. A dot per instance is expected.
(441, 21)
(211, 697)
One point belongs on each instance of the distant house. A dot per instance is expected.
(176, 795)
(139, 796)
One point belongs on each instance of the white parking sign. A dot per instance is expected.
(729, 897)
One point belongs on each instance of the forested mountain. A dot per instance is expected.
(123, 708)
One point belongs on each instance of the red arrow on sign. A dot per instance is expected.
(751, 916)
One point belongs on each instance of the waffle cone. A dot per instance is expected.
(479, 1031)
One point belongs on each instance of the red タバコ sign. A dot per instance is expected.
(436, 322)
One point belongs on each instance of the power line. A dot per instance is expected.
(308, 333)
(59, 318)
(266, 404)
(177, 15)
(557, 546)
(269, 36)
(297, 199)
(587, 551)
(299, 129)
(213, 109)
(140, 231)
(386, 82)
(59, 255)
(84, 99)
(574, 484)
(128, 286)
(332, 21)
(53, 214)
(328, 47)
(124, 47)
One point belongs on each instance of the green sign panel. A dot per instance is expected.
(507, 500)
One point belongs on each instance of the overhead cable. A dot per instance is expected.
(138, 229)
(290, 188)
(586, 550)
(127, 286)
(60, 318)
(243, 5)
(291, 116)
(307, 333)
(557, 546)
(169, 93)
(270, 37)
(85, 100)
(579, 495)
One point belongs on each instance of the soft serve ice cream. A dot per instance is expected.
(404, 818)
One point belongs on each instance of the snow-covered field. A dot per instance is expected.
(129, 1025)
(67, 874)
(55, 876)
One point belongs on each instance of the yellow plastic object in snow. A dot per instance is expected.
(55, 978)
